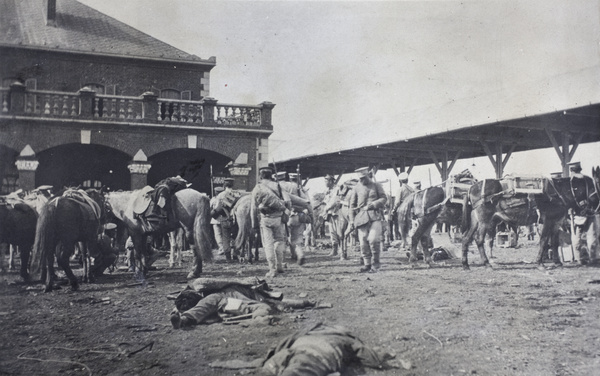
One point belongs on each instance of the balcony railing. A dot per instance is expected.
(147, 108)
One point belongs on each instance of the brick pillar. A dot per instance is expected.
(27, 167)
(86, 102)
(266, 109)
(17, 98)
(208, 108)
(139, 173)
(149, 106)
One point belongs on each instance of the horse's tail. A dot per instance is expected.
(202, 229)
(466, 215)
(44, 237)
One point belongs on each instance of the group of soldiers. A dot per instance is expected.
(370, 214)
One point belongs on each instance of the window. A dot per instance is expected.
(31, 84)
(186, 95)
(170, 94)
(92, 184)
(99, 89)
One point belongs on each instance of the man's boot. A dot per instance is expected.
(365, 269)
(334, 252)
(376, 263)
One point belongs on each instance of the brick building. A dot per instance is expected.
(86, 99)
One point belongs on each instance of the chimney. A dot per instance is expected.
(51, 13)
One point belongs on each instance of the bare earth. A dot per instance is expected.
(513, 320)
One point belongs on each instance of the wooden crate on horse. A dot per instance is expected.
(523, 184)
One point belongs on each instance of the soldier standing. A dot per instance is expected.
(269, 201)
(366, 215)
(401, 195)
(222, 214)
(331, 213)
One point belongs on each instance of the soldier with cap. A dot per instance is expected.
(367, 201)
(580, 187)
(214, 222)
(401, 195)
(107, 252)
(331, 213)
(272, 206)
(222, 213)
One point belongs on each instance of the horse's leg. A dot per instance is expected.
(466, 240)
(25, 252)
(62, 259)
(416, 237)
(197, 270)
(172, 239)
(140, 251)
(426, 240)
(11, 256)
(48, 268)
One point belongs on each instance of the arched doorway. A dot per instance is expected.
(88, 166)
(191, 164)
(9, 176)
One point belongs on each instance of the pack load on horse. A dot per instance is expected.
(153, 205)
(74, 217)
(188, 208)
(17, 229)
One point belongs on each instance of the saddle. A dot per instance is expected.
(152, 205)
(142, 200)
(90, 208)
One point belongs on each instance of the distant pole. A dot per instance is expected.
(429, 171)
(212, 184)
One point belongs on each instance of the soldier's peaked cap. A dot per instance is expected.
(266, 168)
(575, 166)
(329, 177)
(556, 175)
(362, 172)
(44, 187)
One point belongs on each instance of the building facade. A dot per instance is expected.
(87, 100)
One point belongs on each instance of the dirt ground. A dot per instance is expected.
(513, 320)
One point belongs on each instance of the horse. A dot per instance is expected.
(247, 237)
(192, 211)
(424, 206)
(340, 204)
(74, 217)
(301, 216)
(17, 229)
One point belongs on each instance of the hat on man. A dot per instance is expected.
(219, 189)
(556, 175)
(417, 184)
(266, 168)
(329, 177)
(281, 175)
(44, 188)
(228, 182)
(403, 176)
(362, 172)
(575, 166)
(293, 175)
(110, 226)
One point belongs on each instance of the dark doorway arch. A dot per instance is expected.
(9, 176)
(191, 164)
(73, 164)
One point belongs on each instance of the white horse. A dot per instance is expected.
(192, 211)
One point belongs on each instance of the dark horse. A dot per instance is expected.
(65, 220)
(487, 204)
(422, 207)
(17, 228)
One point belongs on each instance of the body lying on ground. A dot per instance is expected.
(320, 351)
(207, 301)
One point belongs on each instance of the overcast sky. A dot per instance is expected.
(345, 74)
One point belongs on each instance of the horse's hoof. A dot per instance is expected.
(192, 275)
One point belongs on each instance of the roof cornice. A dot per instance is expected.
(210, 62)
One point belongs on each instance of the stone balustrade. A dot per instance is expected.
(86, 104)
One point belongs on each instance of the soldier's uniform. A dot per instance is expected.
(367, 201)
(272, 207)
(299, 217)
(222, 220)
(401, 195)
(580, 216)
(331, 213)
